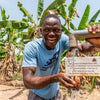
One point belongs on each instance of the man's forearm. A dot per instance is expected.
(35, 82)
(89, 49)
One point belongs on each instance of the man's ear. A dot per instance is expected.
(41, 30)
(61, 29)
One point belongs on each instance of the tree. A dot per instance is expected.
(8, 29)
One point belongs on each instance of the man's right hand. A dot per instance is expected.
(68, 82)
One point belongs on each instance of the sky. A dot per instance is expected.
(31, 6)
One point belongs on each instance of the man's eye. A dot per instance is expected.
(57, 30)
(46, 30)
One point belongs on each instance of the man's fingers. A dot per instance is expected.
(69, 80)
(66, 84)
(90, 29)
(98, 28)
(77, 80)
(93, 29)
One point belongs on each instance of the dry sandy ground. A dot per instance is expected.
(20, 93)
(13, 93)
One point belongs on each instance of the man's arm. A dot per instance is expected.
(88, 49)
(94, 43)
(35, 82)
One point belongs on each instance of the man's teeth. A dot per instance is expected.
(52, 38)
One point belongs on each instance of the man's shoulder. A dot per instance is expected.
(34, 45)
(35, 42)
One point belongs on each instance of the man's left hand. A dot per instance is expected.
(94, 41)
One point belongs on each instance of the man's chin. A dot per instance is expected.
(51, 46)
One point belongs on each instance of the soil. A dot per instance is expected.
(20, 93)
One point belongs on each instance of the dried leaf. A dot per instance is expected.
(76, 12)
(53, 12)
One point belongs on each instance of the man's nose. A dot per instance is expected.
(51, 33)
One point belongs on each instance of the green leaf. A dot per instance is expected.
(84, 19)
(74, 2)
(2, 44)
(19, 4)
(94, 79)
(91, 24)
(13, 24)
(21, 46)
(25, 12)
(94, 17)
(3, 14)
(2, 57)
(40, 9)
(71, 8)
(2, 53)
(25, 35)
(72, 26)
(2, 33)
(62, 11)
(52, 6)
(64, 54)
(65, 30)
(31, 32)
(22, 35)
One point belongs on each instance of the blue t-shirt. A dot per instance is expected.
(46, 62)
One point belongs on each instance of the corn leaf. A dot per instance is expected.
(84, 19)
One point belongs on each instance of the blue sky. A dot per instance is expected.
(31, 5)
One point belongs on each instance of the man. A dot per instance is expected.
(41, 61)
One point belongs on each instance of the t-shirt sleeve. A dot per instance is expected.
(30, 55)
(65, 41)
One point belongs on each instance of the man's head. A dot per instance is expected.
(51, 31)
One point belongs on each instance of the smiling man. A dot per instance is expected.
(52, 26)
(41, 62)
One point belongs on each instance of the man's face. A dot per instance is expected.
(51, 32)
